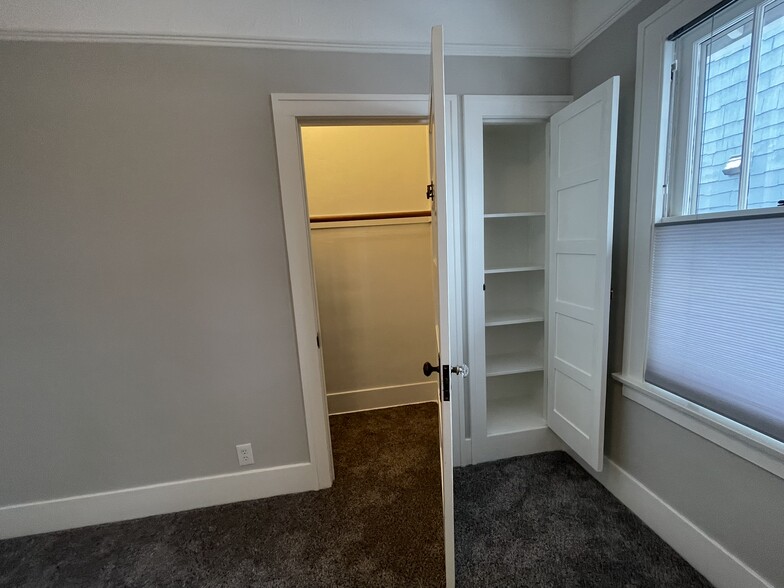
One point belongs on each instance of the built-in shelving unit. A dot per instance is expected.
(505, 269)
(515, 403)
(504, 364)
(527, 257)
(514, 253)
(513, 214)
(497, 318)
(506, 223)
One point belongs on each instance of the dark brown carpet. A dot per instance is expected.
(542, 520)
(533, 521)
(379, 525)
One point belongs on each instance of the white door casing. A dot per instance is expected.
(441, 276)
(580, 216)
(288, 112)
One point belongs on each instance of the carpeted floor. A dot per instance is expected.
(533, 521)
(379, 525)
(541, 520)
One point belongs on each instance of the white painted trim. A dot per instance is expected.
(287, 110)
(580, 44)
(721, 567)
(648, 154)
(385, 407)
(144, 501)
(744, 442)
(460, 392)
(382, 397)
(539, 440)
(451, 49)
(710, 217)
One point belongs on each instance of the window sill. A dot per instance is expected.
(722, 216)
(752, 446)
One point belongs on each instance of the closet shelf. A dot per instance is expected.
(503, 364)
(514, 414)
(512, 214)
(496, 318)
(520, 268)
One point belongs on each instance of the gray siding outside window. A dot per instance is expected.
(724, 112)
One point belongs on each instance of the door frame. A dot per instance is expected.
(288, 111)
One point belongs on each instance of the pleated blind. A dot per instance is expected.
(716, 330)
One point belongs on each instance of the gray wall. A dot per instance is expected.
(735, 502)
(146, 324)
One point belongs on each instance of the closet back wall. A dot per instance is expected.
(373, 277)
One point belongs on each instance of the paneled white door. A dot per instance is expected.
(582, 181)
(441, 272)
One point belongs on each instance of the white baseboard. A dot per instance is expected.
(386, 397)
(143, 501)
(712, 560)
(495, 447)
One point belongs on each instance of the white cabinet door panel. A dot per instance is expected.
(580, 215)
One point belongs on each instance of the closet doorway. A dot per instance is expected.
(292, 113)
(370, 236)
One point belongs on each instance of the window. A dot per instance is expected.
(705, 298)
(726, 148)
(716, 323)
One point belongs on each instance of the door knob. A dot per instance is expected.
(460, 370)
(429, 370)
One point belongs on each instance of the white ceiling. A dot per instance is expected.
(544, 28)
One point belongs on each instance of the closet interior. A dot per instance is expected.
(370, 244)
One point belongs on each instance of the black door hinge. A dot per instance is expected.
(445, 374)
(318, 341)
(430, 191)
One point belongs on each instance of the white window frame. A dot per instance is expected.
(685, 141)
(649, 158)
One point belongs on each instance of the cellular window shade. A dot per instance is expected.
(716, 329)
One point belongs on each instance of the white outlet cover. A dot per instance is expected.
(245, 454)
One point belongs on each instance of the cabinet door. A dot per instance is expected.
(441, 271)
(580, 215)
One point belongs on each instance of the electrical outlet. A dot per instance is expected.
(245, 454)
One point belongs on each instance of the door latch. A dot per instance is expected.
(446, 373)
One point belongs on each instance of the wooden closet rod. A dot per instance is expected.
(338, 218)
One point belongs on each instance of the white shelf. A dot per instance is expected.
(512, 214)
(496, 318)
(512, 414)
(520, 268)
(512, 363)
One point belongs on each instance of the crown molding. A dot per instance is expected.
(603, 26)
(452, 49)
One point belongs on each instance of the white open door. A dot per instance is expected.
(582, 187)
(441, 272)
